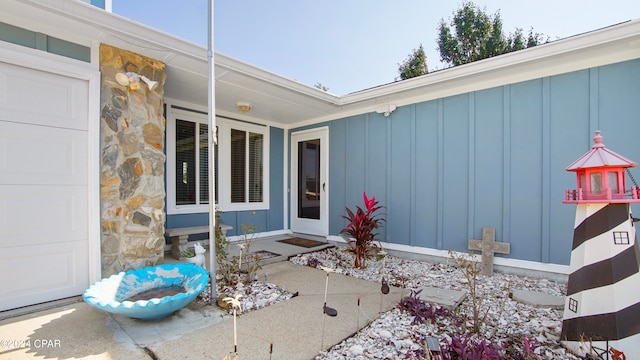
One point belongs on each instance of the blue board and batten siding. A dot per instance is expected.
(446, 168)
(263, 220)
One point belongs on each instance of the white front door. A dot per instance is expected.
(44, 182)
(309, 181)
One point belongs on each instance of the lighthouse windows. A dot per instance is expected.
(613, 182)
(573, 305)
(596, 183)
(601, 184)
(621, 237)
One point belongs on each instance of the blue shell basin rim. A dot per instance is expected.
(112, 294)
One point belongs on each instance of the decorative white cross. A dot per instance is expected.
(488, 246)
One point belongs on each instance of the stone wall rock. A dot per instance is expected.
(132, 138)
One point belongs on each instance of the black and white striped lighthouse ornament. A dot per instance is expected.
(602, 308)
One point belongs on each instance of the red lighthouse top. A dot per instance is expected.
(600, 177)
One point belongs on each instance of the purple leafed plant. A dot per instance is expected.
(527, 351)
(361, 228)
(461, 347)
(313, 262)
(466, 348)
(421, 311)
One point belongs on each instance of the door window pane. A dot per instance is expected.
(309, 179)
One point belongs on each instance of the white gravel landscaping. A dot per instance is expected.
(394, 335)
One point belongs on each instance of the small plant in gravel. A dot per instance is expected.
(527, 353)
(313, 262)
(420, 310)
(361, 230)
(467, 348)
(471, 270)
(225, 264)
(251, 260)
(230, 268)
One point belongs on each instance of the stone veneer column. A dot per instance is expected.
(132, 131)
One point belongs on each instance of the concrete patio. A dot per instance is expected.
(292, 329)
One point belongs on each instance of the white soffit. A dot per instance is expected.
(288, 103)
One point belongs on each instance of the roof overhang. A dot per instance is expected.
(287, 103)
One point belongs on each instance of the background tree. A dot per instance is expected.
(320, 86)
(414, 65)
(473, 35)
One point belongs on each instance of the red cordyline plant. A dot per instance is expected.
(360, 229)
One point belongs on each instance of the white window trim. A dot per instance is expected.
(224, 163)
(172, 115)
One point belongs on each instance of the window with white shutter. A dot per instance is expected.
(241, 163)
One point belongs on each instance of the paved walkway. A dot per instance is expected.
(293, 329)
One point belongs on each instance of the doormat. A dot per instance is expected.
(302, 242)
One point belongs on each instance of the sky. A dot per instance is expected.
(352, 45)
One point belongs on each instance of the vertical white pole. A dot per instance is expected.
(235, 331)
(212, 154)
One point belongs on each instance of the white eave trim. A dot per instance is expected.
(568, 46)
(613, 44)
(149, 40)
(133, 33)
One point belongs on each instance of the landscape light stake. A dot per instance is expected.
(326, 310)
(241, 247)
(384, 287)
(235, 304)
(358, 317)
(322, 339)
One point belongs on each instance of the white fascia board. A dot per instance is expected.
(613, 44)
(162, 46)
(610, 45)
(25, 15)
(127, 30)
(533, 56)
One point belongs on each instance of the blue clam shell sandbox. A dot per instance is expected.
(117, 294)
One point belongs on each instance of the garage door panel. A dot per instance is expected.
(43, 98)
(41, 155)
(44, 182)
(31, 215)
(61, 271)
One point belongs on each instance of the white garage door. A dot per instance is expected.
(44, 252)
